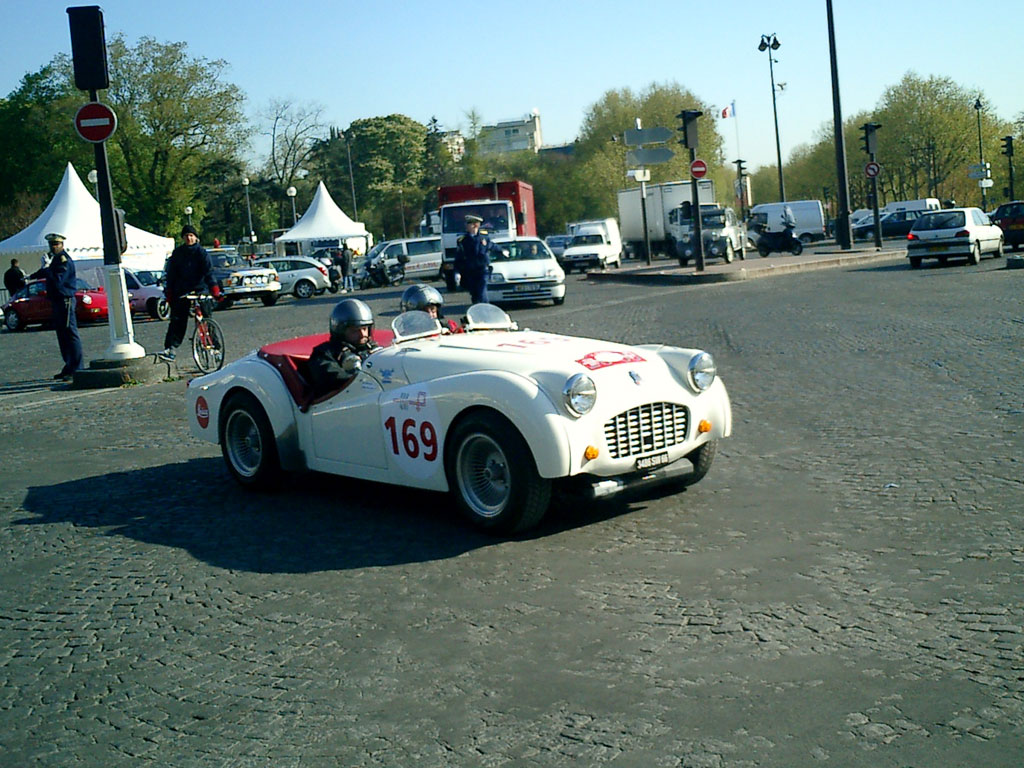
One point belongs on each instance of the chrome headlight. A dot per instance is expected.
(702, 371)
(86, 298)
(579, 394)
(496, 277)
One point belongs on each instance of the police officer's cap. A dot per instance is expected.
(54, 237)
(472, 219)
(348, 313)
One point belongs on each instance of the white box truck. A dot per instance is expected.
(809, 215)
(594, 243)
(661, 200)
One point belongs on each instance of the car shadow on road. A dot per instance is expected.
(316, 523)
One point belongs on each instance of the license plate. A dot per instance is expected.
(1015, 225)
(649, 462)
(523, 288)
(936, 247)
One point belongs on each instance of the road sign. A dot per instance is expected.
(698, 169)
(651, 156)
(985, 183)
(637, 136)
(95, 122)
(872, 169)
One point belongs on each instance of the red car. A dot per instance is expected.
(30, 306)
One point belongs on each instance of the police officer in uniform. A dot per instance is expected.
(60, 277)
(473, 261)
(333, 363)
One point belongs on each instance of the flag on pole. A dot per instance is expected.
(729, 110)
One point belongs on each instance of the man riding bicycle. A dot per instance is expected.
(188, 270)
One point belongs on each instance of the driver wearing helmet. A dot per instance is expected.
(426, 298)
(335, 362)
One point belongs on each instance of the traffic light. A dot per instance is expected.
(741, 169)
(88, 48)
(869, 141)
(1007, 145)
(688, 127)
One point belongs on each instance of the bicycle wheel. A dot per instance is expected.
(208, 346)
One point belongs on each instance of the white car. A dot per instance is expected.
(299, 275)
(953, 233)
(525, 270)
(496, 415)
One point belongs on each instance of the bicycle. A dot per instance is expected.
(207, 338)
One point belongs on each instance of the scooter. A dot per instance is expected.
(779, 242)
(378, 273)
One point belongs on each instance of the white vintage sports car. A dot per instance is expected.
(496, 415)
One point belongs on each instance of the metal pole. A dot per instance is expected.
(295, 216)
(775, 112)
(843, 233)
(874, 206)
(981, 156)
(351, 180)
(248, 208)
(698, 232)
(643, 215)
(1010, 161)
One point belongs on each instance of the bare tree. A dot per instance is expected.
(293, 130)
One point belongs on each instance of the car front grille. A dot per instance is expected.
(645, 428)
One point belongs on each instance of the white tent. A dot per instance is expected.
(323, 225)
(74, 213)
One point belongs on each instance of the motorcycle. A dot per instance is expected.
(379, 273)
(779, 242)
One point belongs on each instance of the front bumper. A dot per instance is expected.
(526, 290)
(251, 288)
(593, 487)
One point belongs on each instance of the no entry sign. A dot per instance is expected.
(95, 122)
(698, 169)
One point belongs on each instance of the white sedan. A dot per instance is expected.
(496, 415)
(953, 233)
(525, 270)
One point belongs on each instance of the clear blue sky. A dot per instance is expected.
(442, 59)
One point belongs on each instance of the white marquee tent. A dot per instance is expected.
(74, 213)
(323, 225)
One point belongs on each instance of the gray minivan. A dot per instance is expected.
(421, 255)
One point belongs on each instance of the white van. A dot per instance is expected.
(809, 215)
(421, 255)
(594, 244)
(924, 204)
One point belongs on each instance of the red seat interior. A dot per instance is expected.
(291, 359)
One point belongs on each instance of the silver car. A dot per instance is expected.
(299, 275)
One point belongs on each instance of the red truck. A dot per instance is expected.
(498, 204)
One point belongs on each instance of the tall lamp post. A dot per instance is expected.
(94, 179)
(771, 43)
(248, 209)
(291, 193)
(351, 177)
(981, 156)
(188, 212)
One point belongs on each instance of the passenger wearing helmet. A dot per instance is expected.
(426, 298)
(335, 362)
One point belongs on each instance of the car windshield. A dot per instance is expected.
(149, 276)
(494, 215)
(228, 261)
(557, 239)
(712, 218)
(522, 250)
(587, 240)
(414, 325)
(940, 220)
(487, 317)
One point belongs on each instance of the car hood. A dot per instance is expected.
(524, 270)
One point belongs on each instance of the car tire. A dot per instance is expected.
(702, 459)
(269, 299)
(492, 474)
(999, 249)
(12, 321)
(158, 309)
(247, 443)
(974, 257)
(805, 238)
(915, 262)
(559, 301)
(304, 289)
(730, 254)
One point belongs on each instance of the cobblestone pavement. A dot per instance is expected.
(844, 588)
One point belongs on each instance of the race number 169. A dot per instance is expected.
(413, 439)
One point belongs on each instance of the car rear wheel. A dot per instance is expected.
(975, 255)
(999, 249)
(13, 321)
(304, 289)
(158, 309)
(247, 442)
(493, 476)
(915, 262)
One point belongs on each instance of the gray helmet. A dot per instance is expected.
(350, 313)
(420, 297)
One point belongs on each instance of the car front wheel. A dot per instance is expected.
(702, 459)
(493, 476)
(247, 442)
(13, 321)
(304, 289)
(158, 309)
(269, 299)
(730, 254)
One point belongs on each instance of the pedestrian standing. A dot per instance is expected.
(188, 270)
(60, 278)
(14, 278)
(473, 261)
(349, 282)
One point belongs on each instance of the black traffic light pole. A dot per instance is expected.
(871, 147)
(843, 234)
(688, 128)
(1008, 151)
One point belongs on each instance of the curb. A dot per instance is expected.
(103, 374)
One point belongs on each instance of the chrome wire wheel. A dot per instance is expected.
(483, 475)
(243, 444)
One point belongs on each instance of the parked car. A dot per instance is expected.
(146, 293)
(1009, 217)
(498, 416)
(239, 279)
(525, 270)
(302, 276)
(953, 233)
(558, 243)
(31, 306)
(723, 234)
(894, 224)
(420, 257)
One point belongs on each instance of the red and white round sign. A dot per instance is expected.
(202, 412)
(872, 169)
(95, 122)
(698, 169)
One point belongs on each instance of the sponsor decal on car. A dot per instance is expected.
(202, 412)
(596, 360)
(412, 431)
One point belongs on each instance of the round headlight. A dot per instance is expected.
(702, 371)
(579, 394)
(86, 298)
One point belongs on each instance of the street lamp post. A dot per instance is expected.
(771, 43)
(94, 179)
(248, 209)
(291, 193)
(981, 156)
(351, 178)
(188, 212)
